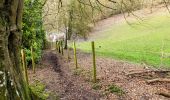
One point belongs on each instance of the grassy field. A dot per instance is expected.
(139, 43)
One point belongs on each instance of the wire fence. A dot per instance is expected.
(157, 58)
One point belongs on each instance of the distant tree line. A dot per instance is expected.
(77, 17)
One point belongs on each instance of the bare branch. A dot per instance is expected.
(105, 5)
(166, 5)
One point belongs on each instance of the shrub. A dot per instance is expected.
(115, 89)
(33, 31)
(38, 91)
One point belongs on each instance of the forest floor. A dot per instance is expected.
(117, 80)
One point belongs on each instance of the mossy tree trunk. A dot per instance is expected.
(75, 55)
(65, 40)
(12, 83)
(70, 26)
(94, 61)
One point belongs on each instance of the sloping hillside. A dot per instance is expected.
(142, 38)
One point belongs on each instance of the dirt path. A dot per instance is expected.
(59, 77)
(55, 73)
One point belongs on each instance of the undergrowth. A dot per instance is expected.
(38, 91)
(115, 89)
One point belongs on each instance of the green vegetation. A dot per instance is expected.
(140, 43)
(149, 44)
(33, 32)
(96, 86)
(38, 91)
(78, 71)
(73, 18)
(115, 89)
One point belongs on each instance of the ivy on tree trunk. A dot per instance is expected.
(12, 83)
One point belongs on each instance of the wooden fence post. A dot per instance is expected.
(56, 45)
(75, 54)
(62, 51)
(94, 61)
(32, 57)
(24, 65)
(68, 54)
(59, 48)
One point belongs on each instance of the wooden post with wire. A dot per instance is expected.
(62, 50)
(68, 54)
(23, 58)
(59, 46)
(56, 45)
(94, 61)
(75, 54)
(32, 58)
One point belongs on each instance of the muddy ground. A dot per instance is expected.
(60, 77)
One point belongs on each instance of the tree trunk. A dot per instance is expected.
(69, 34)
(12, 83)
(66, 38)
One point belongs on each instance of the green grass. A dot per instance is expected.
(139, 43)
(115, 89)
(96, 86)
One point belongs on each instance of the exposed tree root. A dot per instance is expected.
(158, 80)
(150, 72)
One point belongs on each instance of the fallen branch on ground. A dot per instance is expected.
(165, 94)
(158, 80)
(150, 71)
